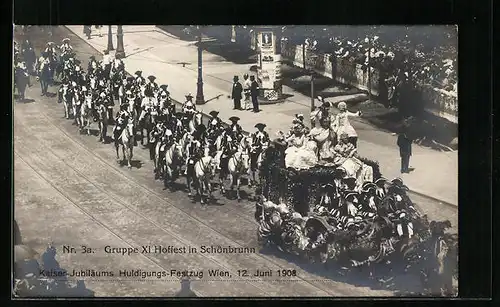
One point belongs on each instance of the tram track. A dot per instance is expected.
(320, 284)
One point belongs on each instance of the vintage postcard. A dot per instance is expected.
(235, 161)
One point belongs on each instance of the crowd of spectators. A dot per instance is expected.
(421, 54)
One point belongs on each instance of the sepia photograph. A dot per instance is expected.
(219, 161)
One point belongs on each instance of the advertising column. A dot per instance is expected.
(270, 66)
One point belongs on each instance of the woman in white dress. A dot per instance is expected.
(340, 123)
(301, 153)
(325, 139)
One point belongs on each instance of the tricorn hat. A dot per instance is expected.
(350, 195)
(164, 87)
(234, 118)
(260, 126)
(380, 181)
(350, 181)
(65, 40)
(179, 114)
(138, 73)
(152, 78)
(188, 96)
(130, 79)
(299, 116)
(214, 113)
(367, 186)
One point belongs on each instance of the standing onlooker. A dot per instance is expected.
(404, 144)
(247, 85)
(236, 93)
(87, 30)
(106, 62)
(254, 92)
(99, 30)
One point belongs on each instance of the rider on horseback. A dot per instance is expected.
(236, 130)
(215, 127)
(121, 120)
(260, 141)
(65, 46)
(147, 103)
(152, 85)
(195, 148)
(229, 147)
(188, 107)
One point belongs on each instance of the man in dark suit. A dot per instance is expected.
(404, 144)
(254, 92)
(236, 94)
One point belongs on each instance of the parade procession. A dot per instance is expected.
(316, 196)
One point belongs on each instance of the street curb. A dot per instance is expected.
(226, 124)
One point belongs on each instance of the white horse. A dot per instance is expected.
(126, 140)
(66, 97)
(204, 170)
(86, 114)
(195, 121)
(170, 162)
(238, 164)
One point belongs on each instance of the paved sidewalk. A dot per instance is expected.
(159, 53)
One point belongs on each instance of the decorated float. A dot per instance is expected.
(339, 209)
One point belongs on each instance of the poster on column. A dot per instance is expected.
(267, 54)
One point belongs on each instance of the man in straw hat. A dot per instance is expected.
(236, 93)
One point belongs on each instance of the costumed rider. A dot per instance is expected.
(163, 97)
(152, 85)
(92, 66)
(50, 49)
(195, 148)
(147, 103)
(214, 127)
(260, 141)
(188, 107)
(229, 147)
(236, 130)
(65, 46)
(107, 102)
(139, 82)
(121, 121)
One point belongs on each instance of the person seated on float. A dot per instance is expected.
(122, 119)
(344, 148)
(297, 138)
(340, 123)
(235, 128)
(324, 139)
(147, 103)
(65, 46)
(299, 118)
